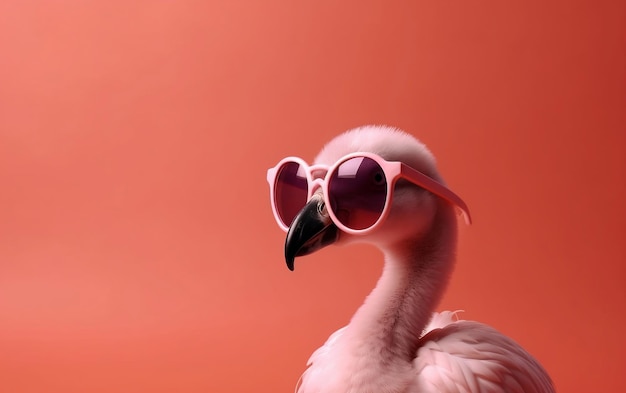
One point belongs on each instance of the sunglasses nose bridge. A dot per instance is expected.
(316, 187)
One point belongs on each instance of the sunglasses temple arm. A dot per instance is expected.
(463, 208)
(436, 188)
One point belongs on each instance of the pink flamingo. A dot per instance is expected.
(380, 185)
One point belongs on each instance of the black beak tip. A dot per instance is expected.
(290, 263)
(310, 230)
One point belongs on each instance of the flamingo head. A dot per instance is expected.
(413, 210)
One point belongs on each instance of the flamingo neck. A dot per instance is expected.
(415, 274)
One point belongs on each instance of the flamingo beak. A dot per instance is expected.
(311, 230)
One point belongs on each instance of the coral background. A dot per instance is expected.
(138, 251)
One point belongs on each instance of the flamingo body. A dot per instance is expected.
(454, 356)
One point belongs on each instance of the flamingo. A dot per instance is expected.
(395, 342)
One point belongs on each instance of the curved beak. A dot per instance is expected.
(311, 230)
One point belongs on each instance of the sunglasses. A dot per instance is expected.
(357, 190)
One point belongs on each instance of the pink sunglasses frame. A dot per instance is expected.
(394, 170)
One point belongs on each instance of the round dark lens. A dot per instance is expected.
(357, 192)
(291, 191)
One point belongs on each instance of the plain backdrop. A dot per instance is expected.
(138, 251)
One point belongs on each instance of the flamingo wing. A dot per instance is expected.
(467, 356)
(326, 365)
